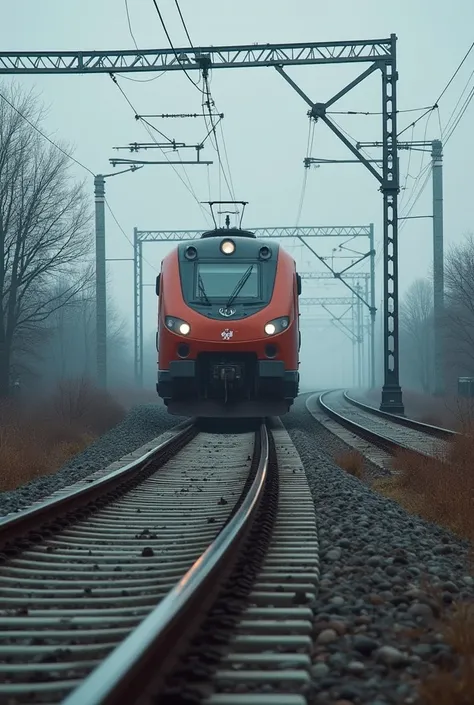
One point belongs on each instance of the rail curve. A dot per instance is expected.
(386, 431)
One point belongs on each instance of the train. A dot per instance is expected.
(228, 335)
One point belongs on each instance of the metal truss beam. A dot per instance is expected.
(220, 57)
(326, 300)
(380, 53)
(328, 275)
(285, 232)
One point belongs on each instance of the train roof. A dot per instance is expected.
(226, 232)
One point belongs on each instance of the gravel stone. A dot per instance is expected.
(364, 644)
(319, 670)
(356, 667)
(142, 423)
(389, 563)
(390, 656)
(334, 554)
(327, 636)
(337, 600)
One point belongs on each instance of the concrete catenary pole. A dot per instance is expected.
(360, 337)
(438, 265)
(100, 280)
(372, 306)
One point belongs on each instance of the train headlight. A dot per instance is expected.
(277, 325)
(227, 247)
(177, 325)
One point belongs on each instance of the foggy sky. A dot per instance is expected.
(265, 124)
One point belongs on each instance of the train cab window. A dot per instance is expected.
(221, 281)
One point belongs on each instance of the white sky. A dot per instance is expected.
(265, 125)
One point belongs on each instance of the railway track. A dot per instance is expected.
(386, 431)
(134, 585)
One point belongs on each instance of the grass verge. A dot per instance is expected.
(37, 441)
(440, 489)
(453, 682)
(352, 462)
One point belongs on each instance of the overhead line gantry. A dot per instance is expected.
(380, 54)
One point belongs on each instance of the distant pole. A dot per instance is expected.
(372, 306)
(368, 331)
(100, 281)
(354, 339)
(438, 265)
(360, 338)
(140, 313)
(137, 293)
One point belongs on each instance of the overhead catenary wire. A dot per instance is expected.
(309, 151)
(376, 112)
(69, 156)
(183, 23)
(165, 29)
(130, 29)
(205, 92)
(463, 110)
(44, 136)
(130, 25)
(451, 125)
(422, 168)
(450, 128)
(407, 171)
(428, 170)
(435, 104)
(209, 103)
(149, 128)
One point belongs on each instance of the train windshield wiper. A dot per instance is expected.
(202, 292)
(240, 285)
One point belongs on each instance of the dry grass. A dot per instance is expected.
(39, 440)
(454, 684)
(440, 488)
(352, 462)
(436, 411)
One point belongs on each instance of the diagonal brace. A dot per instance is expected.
(318, 110)
(337, 275)
(352, 84)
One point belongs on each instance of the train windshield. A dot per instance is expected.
(223, 281)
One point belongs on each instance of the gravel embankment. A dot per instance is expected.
(375, 628)
(328, 442)
(142, 424)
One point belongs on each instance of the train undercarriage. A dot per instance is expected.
(233, 385)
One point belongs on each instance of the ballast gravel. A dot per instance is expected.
(141, 424)
(375, 625)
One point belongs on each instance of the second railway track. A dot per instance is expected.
(82, 576)
(386, 431)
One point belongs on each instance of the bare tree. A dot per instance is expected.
(416, 329)
(44, 227)
(70, 349)
(459, 304)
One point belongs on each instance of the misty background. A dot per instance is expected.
(266, 130)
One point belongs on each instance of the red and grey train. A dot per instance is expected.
(228, 335)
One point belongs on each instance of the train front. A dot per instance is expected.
(228, 327)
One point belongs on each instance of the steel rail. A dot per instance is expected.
(435, 431)
(377, 439)
(29, 525)
(146, 657)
